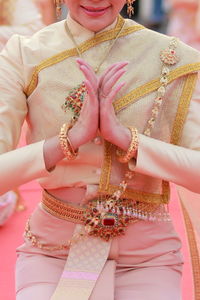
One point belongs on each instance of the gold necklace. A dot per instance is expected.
(76, 96)
(96, 70)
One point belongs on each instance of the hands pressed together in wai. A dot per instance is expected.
(97, 115)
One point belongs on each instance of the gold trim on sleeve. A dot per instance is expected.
(106, 168)
(140, 196)
(188, 89)
(105, 188)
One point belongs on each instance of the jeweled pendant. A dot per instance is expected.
(169, 57)
(75, 100)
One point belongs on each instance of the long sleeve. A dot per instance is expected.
(26, 21)
(21, 165)
(13, 105)
(24, 164)
(178, 164)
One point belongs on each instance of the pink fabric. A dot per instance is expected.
(153, 283)
(147, 251)
(176, 213)
(8, 246)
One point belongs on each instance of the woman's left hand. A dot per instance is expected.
(110, 127)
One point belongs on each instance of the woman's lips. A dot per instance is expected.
(94, 11)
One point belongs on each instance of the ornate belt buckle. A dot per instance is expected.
(106, 219)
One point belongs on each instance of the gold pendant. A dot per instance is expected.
(107, 219)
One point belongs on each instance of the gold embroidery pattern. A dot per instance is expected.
(182, 110)
(109, 189)
(46, 63)
(153, 85)
(188, 89)
(195, 258)
(139, 195)
(99, 38)
(175, 136)
(176, 133)
(105, 188)
(106, 168)
(109, 36)
(165, 190)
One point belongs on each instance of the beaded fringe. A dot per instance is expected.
(136, 209)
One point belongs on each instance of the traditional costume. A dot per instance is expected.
(123, 244)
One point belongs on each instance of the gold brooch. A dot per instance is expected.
(168, 56)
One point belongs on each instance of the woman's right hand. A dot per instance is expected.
(86, 127)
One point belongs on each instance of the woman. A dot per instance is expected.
(102, 230)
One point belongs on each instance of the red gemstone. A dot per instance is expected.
(88, 221)
(109, 221)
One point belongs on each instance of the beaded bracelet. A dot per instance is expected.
(124, 158)
(65, 142)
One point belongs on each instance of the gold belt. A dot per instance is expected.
(63, 210)
(104, 219)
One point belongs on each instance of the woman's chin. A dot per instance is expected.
(96, 24)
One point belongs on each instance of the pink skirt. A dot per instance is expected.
(145, 263)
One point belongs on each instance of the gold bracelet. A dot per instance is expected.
(124, 158)
(65, 142)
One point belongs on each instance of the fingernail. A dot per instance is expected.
(125, 62)
(78, 60)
